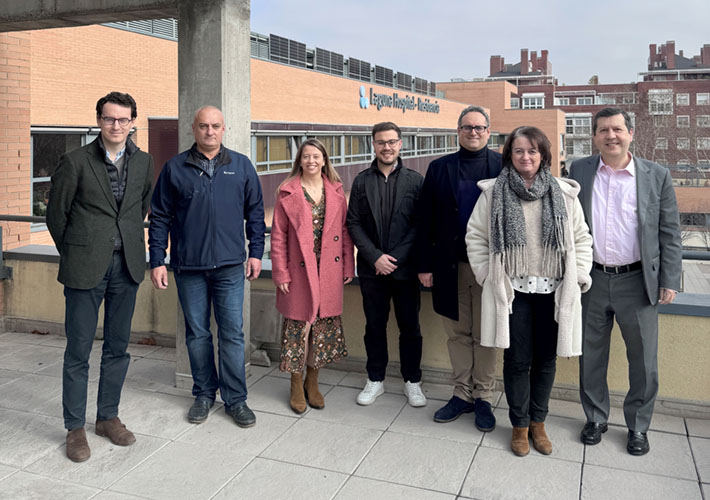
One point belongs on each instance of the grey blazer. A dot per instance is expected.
(659, 223)
(82, 215)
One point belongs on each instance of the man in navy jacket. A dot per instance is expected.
(201, 199)
(447, 199)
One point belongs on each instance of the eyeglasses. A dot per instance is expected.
(469, 128)
(109, 120)
(391, 143)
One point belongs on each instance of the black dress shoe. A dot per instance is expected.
(592, 432)
(200, 410)
(242, 415)
(637, 443)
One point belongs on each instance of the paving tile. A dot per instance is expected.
(150, 374)
(163, 353)
(314, 443)
(6, 471)
(154, 414)
(401, 459)
(141, 350)
(9, 375)
(563, 432)
(10, 348)
(698, 427)
(107, 464)
(340, 407)
(256, 373)
(271, 394)
(701, 453)
(220, 432)
(420, 422)
(294, 482)
(53, 407)
(22, 337)
(358, 488)
(669, 456)
(27, 486)
(326, 376)
(32, 358)
(178, 467)
(705, 487)
(113, 495)
(497, 474)
(29, 392)
(358, 380)
(26, 437)
(660, 421)
(55, 341)
(601, 483)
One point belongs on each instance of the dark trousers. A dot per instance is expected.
(376, 295)
(529, 364)
(118, 290)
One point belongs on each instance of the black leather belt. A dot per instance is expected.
(618, 269)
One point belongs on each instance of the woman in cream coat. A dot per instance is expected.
(531, 251)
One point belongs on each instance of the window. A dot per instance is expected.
(533, 101)
(660, 101)
(47, 148)
(683, 143)
(702, 99)
(703, 120)
(408, 148)
(424, 144)
(578, 125)
(661, 143)
(682, 121)
(585, 101)
(276, 152)
(578, 147)
(702, 143)
(332, 146)
(515, 103)
(561, 101)
(605, 99)
(358, 148)
(682, 99)
(684, 162)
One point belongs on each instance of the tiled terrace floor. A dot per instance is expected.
(386, 451)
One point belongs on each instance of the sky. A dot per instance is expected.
(445, 39)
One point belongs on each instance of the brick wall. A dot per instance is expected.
(15, 135)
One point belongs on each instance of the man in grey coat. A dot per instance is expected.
(630, 207)
(99, 197)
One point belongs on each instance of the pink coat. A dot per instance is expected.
(294, 262)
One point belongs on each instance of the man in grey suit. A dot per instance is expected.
(99, 197)
(630, 207)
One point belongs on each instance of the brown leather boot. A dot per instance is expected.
(298, 400)
(519, 443)
(539, 438)
(115, 431)
(77, 445)
(315, 398)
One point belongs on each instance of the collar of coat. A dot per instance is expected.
(298, 209)
(569, 187)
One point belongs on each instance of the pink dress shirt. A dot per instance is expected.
(615, 215)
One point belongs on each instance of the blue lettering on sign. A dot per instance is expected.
(396, 101)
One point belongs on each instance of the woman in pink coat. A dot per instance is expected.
(312, 257)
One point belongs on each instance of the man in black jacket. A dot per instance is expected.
(448, 196)
(381, 224)
(98, 200)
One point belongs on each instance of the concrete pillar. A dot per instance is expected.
(213, 68)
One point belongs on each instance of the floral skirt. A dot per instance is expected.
(326, 342)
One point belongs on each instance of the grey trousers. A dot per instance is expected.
(622, 297)
(473, 366)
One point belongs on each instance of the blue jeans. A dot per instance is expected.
(198, 290)
(118, 290)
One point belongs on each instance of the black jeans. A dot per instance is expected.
(529, 364)
(376, 295)
(118, 290)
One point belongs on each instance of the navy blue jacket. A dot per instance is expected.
(437, 228)
(205, 215)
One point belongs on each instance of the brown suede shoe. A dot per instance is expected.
(539, 438)
(519, 443)
(298, 400)
(115, 431)
(315, 398)
(77, 446)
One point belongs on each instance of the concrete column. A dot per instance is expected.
(214, 68)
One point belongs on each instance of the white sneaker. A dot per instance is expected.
(370, 392)
(413, 391)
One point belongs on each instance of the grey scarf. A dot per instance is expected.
(508, 240)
